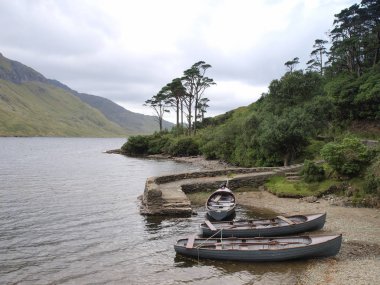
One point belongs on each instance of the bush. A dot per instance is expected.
(158, 143)
(372, 178)
(313, 150)
(185, 146)
(347, 158)
(209, 149)
(372, 185)
(312, 172)
(136, 145)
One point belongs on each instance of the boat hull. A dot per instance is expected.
(306, 223)
(220, 215)
(221, 205)
(329, 247)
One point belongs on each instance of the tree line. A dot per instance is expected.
(305, 115)
(340, 85)
(185, 95)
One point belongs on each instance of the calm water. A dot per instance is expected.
(69, 214)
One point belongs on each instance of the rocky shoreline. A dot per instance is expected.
(359, 259)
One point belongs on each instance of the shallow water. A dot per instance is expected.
(69, 214)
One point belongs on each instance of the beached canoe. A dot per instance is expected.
(260, 249)
(221, 204)
(277, 226)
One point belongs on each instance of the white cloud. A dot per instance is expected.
(126, 50)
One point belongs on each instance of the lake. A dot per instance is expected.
(69, 214)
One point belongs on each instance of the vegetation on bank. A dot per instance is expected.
(296, 189)
(323, 112)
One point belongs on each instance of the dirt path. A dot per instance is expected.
(359, 259)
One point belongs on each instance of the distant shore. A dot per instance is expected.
(114, 151)
(199, 161)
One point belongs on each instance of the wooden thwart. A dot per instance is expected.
(290, 222)
(190, 242)
(211, 226)
(217, 198)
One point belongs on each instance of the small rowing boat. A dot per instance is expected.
(276, 226)
(221, 204)
(260, 249)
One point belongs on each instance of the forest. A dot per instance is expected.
(323, 112)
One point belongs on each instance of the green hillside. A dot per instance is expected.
(32, 105)
(39, 109)
(133, 123)
(329, 112)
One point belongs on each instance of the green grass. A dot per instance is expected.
(198, 198)
(39, 109)
(281, 187)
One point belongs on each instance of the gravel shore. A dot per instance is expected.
(358, 261)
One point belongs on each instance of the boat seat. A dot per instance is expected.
(211, 226)
(217, 198)
(290, 222)
(190, 242)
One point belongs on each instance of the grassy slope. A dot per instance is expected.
(38, 109)
(133, 123)
(283, 188)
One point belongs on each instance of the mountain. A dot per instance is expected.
(32, 105)
(133, 123)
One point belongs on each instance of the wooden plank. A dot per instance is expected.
(217, 198)
(290, 222)
(210, 226)
(190, 242)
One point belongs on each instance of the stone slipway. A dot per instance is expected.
(166, 195)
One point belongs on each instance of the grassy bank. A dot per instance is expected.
(350, 191)
(279, 186)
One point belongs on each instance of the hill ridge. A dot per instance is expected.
(132, 123)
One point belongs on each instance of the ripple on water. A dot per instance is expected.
(69, 214)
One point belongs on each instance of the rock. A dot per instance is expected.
(310, 199)
(262, 188)
(332, 189)
(113, 151)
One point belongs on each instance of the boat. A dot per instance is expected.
(221, 204)
(277, 226)
(260, 248)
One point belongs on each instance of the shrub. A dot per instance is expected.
(312, 172)
(185, 146)
(347, 158)
(209, 149)
(372, 185)
(136, 145)
(158, 144)
(313, 150)
(372, 178)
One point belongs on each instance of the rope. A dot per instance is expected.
(210, 237)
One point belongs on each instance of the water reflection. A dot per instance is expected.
(239, 272)
(69, 215)
(288, 272)
(178, 226)
(250, 273)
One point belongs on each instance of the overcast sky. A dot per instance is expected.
(127, 50)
